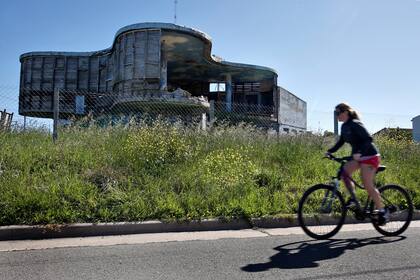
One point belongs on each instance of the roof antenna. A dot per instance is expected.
(176, 2)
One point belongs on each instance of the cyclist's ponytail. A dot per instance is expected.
(353, 114)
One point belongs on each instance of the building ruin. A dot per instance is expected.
(158, 61)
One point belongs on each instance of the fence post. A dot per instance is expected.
(10, 120)
(2, 118)
(211, 113)
(56, 112)
(204, 121)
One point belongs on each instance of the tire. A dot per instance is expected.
(398, 200)
(316, 220)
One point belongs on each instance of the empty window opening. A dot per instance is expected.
(217, 87)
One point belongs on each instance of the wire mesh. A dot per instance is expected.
(107, 108)
(234, 113)
(83, 106)
(23, 109)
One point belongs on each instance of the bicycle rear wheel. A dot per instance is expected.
(321, 211)
(400, 207)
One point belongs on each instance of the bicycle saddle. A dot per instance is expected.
(381, 168)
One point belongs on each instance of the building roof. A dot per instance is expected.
(415, 118)
(188, 53)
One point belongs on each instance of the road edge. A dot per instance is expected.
(23, 232)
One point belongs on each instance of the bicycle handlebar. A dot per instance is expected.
(337, 159)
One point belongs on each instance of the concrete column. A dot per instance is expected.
(259, 101)
(163, 68)
(228, 93)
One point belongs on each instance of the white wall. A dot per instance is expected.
(292, 111)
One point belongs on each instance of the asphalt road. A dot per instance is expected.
(350, 255)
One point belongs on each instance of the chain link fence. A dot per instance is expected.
(259, 115)
(51, 109)
(11, 118)
(35, 109)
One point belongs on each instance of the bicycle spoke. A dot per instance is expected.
(321, 212)
(400, 207)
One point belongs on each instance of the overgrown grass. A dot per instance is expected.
(169, 172)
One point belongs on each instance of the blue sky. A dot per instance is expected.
(364, 52)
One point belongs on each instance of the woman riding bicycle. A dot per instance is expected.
(365, 155)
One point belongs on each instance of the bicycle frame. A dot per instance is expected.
(361, 213)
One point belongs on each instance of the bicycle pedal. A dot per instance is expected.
(325, 211)
(359, 215)
(392, 209)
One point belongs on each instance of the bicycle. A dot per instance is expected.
(322, 210)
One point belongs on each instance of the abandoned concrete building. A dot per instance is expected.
(152, 61)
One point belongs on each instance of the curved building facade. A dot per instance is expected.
(144, 59)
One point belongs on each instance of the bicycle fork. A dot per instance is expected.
(329, 198)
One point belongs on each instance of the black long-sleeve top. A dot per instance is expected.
(355, 133)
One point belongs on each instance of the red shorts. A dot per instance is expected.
(375, 161)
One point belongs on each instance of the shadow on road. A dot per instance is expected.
(304, 254)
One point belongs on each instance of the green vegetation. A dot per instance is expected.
(170, 172)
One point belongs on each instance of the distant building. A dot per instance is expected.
(151, 61)
(292, 112)
(416, 128)
(395, 133)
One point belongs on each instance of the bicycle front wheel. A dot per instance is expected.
(400, 206)
(321, 211)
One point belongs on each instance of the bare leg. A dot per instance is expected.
(368, 176)
(349, 168)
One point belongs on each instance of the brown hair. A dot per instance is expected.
(344, 107)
